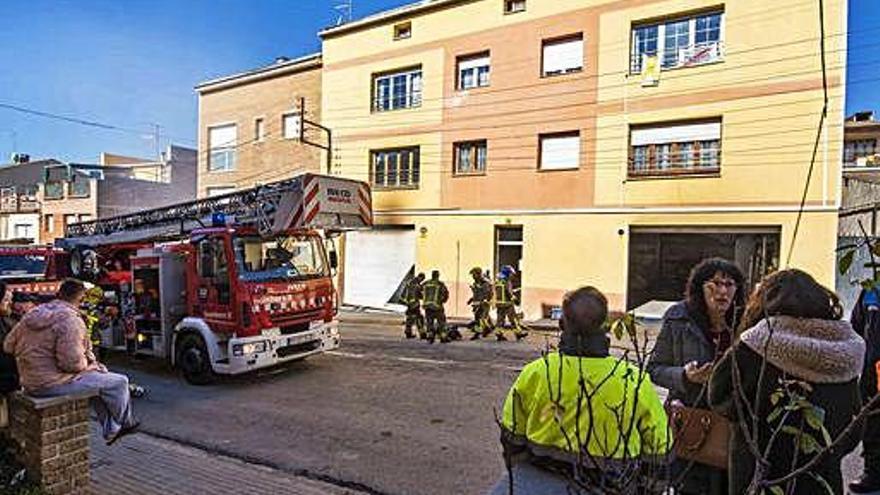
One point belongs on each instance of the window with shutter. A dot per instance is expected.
(563, 56)
(676, 148)
(560, 151)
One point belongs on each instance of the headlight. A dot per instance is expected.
(249, 348)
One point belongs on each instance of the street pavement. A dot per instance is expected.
(381, 415)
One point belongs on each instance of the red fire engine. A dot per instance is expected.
(227, 284)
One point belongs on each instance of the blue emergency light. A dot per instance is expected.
(218, 219)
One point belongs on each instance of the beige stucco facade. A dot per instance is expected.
(266, 94)
(766, 91)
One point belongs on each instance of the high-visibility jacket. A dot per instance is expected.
(412, 293)
(482, 291)
(503, 295)
(435, 294)
(541, 410)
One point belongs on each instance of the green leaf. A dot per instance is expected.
(815, 417)
(777, 490)
(808, 444)
(774, 414)
(846, 261)
(776, 396)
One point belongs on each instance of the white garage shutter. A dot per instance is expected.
(376, 262)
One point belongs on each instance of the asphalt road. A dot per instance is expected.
(381, 414)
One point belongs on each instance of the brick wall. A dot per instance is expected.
(267, 98)
(53, 436)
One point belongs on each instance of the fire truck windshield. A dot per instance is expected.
(22, 265)
(286, 257)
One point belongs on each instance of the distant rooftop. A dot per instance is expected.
(388, 15)
(281, 65)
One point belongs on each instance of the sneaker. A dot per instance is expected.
(125, 430)
(409, 335)
(521, 336)
(501, 338)
(867, 484)
(476, 336)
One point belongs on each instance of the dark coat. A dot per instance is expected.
(839, 399)
(8, 369)
(681, 341)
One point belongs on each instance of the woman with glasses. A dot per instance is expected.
(694, 334)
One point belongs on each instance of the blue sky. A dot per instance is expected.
(133, 64)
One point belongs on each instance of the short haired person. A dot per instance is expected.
(55, 358)
(549, 424)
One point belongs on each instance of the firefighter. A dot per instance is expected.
(505, 305)
(480, 301)
(412, 298)
(436, 294)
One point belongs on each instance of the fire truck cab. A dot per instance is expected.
(225, 285)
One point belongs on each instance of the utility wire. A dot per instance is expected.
(822, 117)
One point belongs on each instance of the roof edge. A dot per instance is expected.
(305, 62)
(388, 15)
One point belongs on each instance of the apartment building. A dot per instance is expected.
(248, 125)
(20, 199)
(604, 142)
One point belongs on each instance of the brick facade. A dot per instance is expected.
(265, 94)
(53, 437)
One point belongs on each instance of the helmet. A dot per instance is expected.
(507, 271)
(94, 295)
(476, 271)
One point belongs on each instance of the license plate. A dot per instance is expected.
(272, 332)
(295, 340)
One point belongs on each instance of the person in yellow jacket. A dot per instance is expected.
(580, 414)
(435, 296)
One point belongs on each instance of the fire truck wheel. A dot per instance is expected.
(193, 360)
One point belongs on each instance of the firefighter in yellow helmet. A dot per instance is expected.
(554, 430)
(412, 298)
(505, 305)
(436, 295)
(480, 302)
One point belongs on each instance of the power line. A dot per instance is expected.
(822, 117)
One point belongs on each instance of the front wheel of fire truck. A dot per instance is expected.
(193, 360)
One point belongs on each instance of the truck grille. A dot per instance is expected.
(294, 329)
(298, 348)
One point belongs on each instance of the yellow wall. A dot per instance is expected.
(767, 91)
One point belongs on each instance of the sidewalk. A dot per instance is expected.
(144, 465)
(381, 317)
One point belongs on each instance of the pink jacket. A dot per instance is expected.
(51, 346)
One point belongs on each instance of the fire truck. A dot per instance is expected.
(227, 284)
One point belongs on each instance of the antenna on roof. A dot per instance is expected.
(344, 10)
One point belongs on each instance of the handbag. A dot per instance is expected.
(699, 435)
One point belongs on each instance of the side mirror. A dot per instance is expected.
(334, 260)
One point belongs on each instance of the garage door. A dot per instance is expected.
(376, 262)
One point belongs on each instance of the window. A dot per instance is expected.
(49, 222)
(675, 148)
(397, 90)
(860, 150)
(514, 6)
(259, 130)
(403, 31)
(563, 56)
(473, 71)
(281, 258)
(69, 220)
(54, 190)
(396, 168)
(470, 157)
(221, 144)
(219, 191)
(679, 42)
(24, 231)
(291, 124)
(80, 186)
(560, 151)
